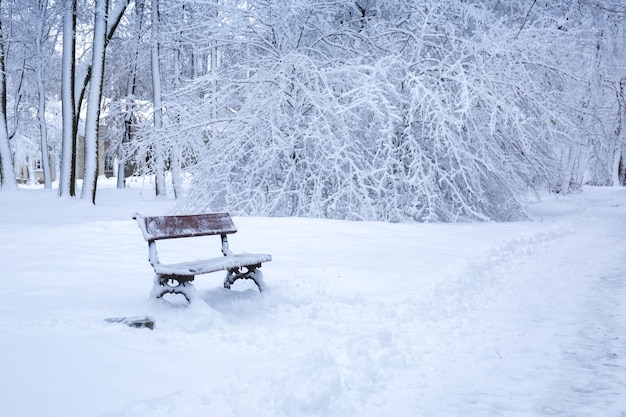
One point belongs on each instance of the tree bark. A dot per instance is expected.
(158, 157)
(8, 180)
(43, 129)
(67, 184)
(620, 135)
(41, 108)
(130, 95)
(72, 97)
(92, 123)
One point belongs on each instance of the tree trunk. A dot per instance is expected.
(177, 178)
(90, 176)
(214, 103)
(620, 135)
(159, 157)
(67, 184)
(72, 97)
(121, 164)
(130, 95)
(617, 160)
(8, 179)
(30, 164)
(43, 128)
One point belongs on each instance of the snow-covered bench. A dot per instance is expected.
(176, 278)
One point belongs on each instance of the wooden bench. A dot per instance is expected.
(176, 278)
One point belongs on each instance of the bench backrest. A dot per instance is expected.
(168, 227)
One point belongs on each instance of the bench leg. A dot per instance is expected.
(252, 272)
(173, 284)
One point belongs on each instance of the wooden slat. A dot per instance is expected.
(167, 227)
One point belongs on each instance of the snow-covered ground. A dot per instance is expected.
(360, 319)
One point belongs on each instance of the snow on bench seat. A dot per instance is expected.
(206, 266)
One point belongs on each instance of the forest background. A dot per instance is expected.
(393, 110)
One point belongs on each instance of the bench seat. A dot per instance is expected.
(206, 266)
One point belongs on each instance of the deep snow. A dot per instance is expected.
(360, 319)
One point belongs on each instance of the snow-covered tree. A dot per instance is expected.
(359, 109)
(603, 105)
(374, 110)
(128, 102)
(42, 35)
(7, 174)
(68, 82)
(75, 86)
(92, 122)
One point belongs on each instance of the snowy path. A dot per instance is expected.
(361, 319)
(589, 327)
(548, 339)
